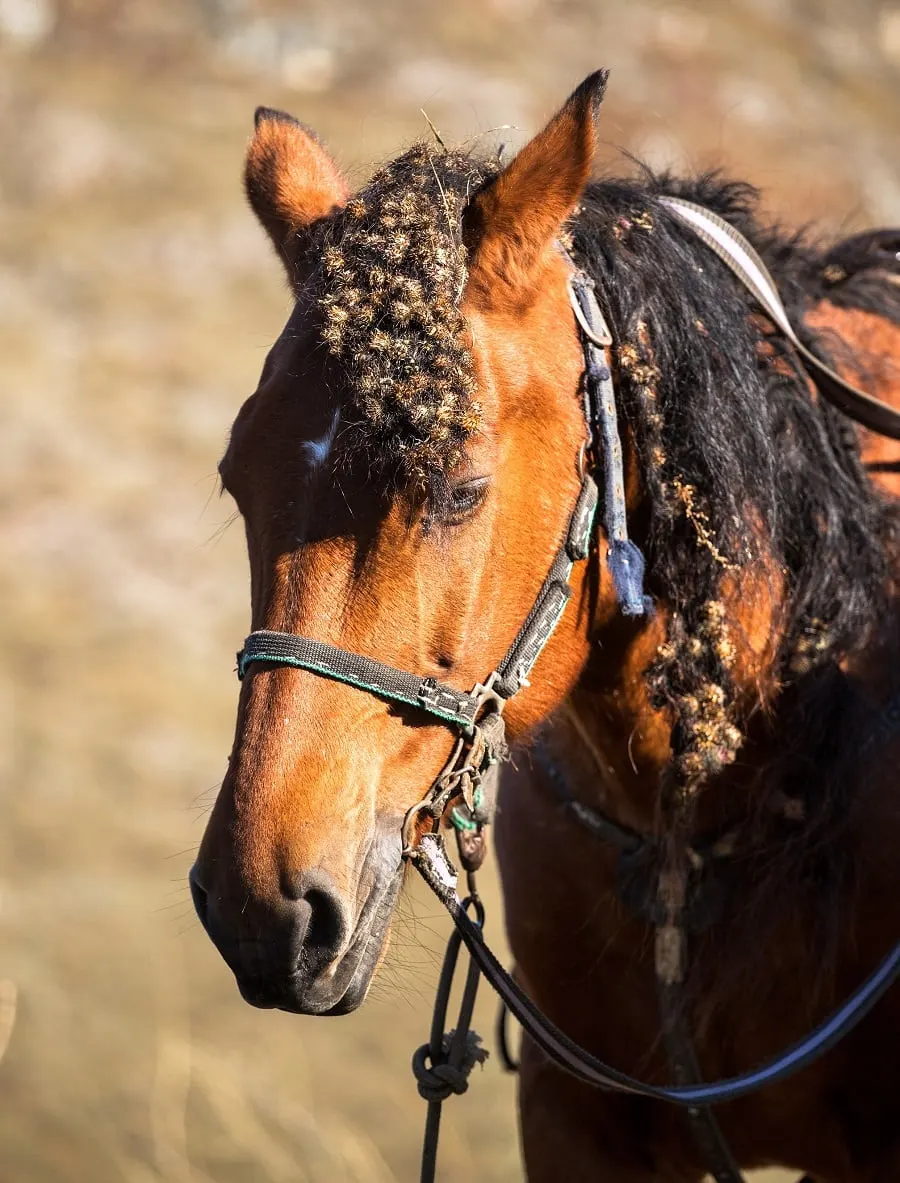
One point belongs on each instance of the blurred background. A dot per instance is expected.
(137, 301)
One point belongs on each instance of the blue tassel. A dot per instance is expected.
(626, 565)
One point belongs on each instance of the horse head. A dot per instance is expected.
(406, 470)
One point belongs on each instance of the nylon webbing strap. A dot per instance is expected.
(624, 559)
(741, 258)
(534, 634)
(513, 670)
(625, 562)
(455, 706)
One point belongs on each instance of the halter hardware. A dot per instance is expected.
(469, 777)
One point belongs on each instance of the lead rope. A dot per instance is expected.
(442, 1066)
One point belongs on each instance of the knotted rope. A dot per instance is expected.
(442, 1065)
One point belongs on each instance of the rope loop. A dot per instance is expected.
(442, 1066)
(436, 1082)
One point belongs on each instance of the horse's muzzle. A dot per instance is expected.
(301, 953)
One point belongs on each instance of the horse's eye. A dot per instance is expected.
(465, 498)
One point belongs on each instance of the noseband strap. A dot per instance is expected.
(453, 706)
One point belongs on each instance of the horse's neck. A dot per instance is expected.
(869, 356)
(614, 744)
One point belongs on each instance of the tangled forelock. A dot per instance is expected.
(393, 268)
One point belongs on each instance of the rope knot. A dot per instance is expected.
(436, 1081)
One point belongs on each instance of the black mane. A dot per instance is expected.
(738, 463)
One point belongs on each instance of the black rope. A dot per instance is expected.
(443, 1064)
(504, 1049)
(714, 1150)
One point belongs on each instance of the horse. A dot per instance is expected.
(406, 470)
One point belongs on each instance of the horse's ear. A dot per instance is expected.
(291, 181)
(514, 222)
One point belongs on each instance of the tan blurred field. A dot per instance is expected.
(137, 301)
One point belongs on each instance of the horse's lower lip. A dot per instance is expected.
(295, 994)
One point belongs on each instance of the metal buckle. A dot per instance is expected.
(428, 691)
(599, 335)
(485, 695)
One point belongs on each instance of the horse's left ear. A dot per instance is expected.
(514, 222)
(291, 181)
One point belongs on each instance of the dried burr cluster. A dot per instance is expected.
(692, 668)
(393, 272)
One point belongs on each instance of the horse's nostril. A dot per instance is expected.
(323, 917)
(199, 896)
(325, 929)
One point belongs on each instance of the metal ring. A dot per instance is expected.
(602, 339)
(423, 806)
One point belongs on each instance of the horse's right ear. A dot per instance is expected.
(512, 226)
(291, 181)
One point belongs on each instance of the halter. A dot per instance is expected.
(468, 780)
(477, 713)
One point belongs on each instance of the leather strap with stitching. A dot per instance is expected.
(743, 260)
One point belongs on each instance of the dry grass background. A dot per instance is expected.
(137, 300)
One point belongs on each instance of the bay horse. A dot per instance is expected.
(407, 469)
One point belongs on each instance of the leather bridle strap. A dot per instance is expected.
(458, 707)
(743, 260)
(430, 858)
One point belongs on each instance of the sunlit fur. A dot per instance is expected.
(737, 461)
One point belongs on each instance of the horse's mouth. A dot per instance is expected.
(343, 986)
